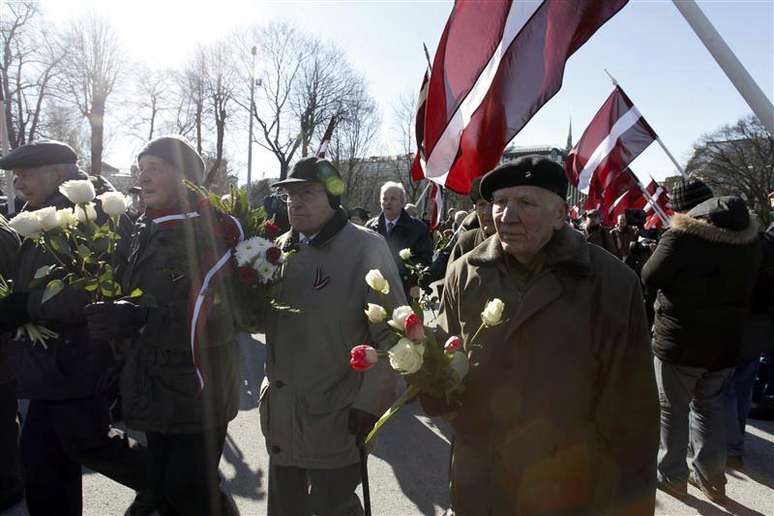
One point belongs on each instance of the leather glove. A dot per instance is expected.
(118, 320)
(360, 424)
(13, 311)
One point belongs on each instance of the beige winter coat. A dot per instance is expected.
(309, 387)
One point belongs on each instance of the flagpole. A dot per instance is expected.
(728, 62)
(10, 195)
(658, 138)
(653, 202)
(427, 56)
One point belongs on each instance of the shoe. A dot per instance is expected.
(142, 505)
(676, 490)
(714, 494)
(735, 462)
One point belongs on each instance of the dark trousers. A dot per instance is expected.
(184, 473)
(11, 487)
(319, 492)
(58, 438)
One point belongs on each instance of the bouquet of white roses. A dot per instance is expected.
(427, 366)
(83, 250)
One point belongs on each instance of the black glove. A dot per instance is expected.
(117, 320)
(13, 311)
(360, 424)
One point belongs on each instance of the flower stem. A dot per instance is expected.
(470, 344)
(407, 396)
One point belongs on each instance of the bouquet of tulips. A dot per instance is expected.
(258, 258)
(427, 366)
(83, 250)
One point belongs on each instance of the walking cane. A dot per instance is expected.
(364, 477)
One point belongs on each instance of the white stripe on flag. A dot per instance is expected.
(606, 146)
(445, 150)
(617, 202)
(653, 198)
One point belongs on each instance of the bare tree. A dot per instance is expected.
(150, 100)
(91, 67)
(27, 65)
(220, 81)
(738, 159)
(404, 113)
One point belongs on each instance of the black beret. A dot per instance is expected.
(527, 171)
(177, 151)
(318, 170)
(39, 154)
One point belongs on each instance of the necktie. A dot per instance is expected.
(390, 225)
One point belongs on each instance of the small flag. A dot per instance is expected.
(326, 139)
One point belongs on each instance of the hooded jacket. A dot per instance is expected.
(704, 268)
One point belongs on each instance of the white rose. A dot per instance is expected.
(248, 250)
(79, 191)
(493, 313)
(376, 313)
(405, 357)
(66, 218)
(460, 365)
(405, 254)
(114, 204)
(399, 316)
(377, 282)
(26, 224)
(90, 213)
(47, 217)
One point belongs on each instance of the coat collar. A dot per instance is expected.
(404, 219)
(683, 223)
(567, 251)
(329, 230)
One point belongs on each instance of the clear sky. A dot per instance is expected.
(648, 47)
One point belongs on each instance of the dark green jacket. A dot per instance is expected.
(159, 385)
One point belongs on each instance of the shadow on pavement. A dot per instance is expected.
(245, 482)
(419, 459)
(759, 456)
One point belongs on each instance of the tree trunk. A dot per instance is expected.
(96, 121)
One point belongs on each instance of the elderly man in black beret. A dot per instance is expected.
(560, 412)
(67, 425)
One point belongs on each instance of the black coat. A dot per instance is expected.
(9, 248)
(409, 232)
(73, 363)
(704, 268)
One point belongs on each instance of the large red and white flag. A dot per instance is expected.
(417, 168)
(436, 206)
(616, 135)
(496, 64)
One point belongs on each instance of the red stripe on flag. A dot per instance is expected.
(474, 110)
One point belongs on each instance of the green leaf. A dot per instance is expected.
(135, 293)
(53, 288)
(43, 272)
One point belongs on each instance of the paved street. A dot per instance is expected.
(408, 471)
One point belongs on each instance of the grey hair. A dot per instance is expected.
(393, 185)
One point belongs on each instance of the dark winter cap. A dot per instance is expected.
(527, 171)
(689, 192)
(177, 151)
(729, 212)
(39, 154)
(316, 170)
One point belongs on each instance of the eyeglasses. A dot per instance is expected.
(304, 196)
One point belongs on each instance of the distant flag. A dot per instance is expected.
(436, 206)
(326, 139)
(636, 198)
(603, 197)
(616, 135)
(496, 64)
(417, 168)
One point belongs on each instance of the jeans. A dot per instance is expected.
(323, 492)
(738, 397)
(692, 410)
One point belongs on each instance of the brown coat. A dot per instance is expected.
(560, 415)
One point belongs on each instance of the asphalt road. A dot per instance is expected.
(408, 471)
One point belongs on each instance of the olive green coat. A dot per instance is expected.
(309, 387)
(560, 415)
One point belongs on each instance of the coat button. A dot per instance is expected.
(279, 384)
(276, 449)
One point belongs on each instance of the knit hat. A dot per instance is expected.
(689, 192)
(527, 171)
(177, 151)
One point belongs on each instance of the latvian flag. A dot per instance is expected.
(326, 139)
(418, 167)
(617, 134)
(496, 64)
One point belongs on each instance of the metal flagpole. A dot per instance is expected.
(253, 51)
(727, 60)
(658, 139)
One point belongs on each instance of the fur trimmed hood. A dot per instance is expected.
(705, 230)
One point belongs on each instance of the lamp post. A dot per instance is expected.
(253, 51)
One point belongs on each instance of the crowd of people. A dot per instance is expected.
(620, 356)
